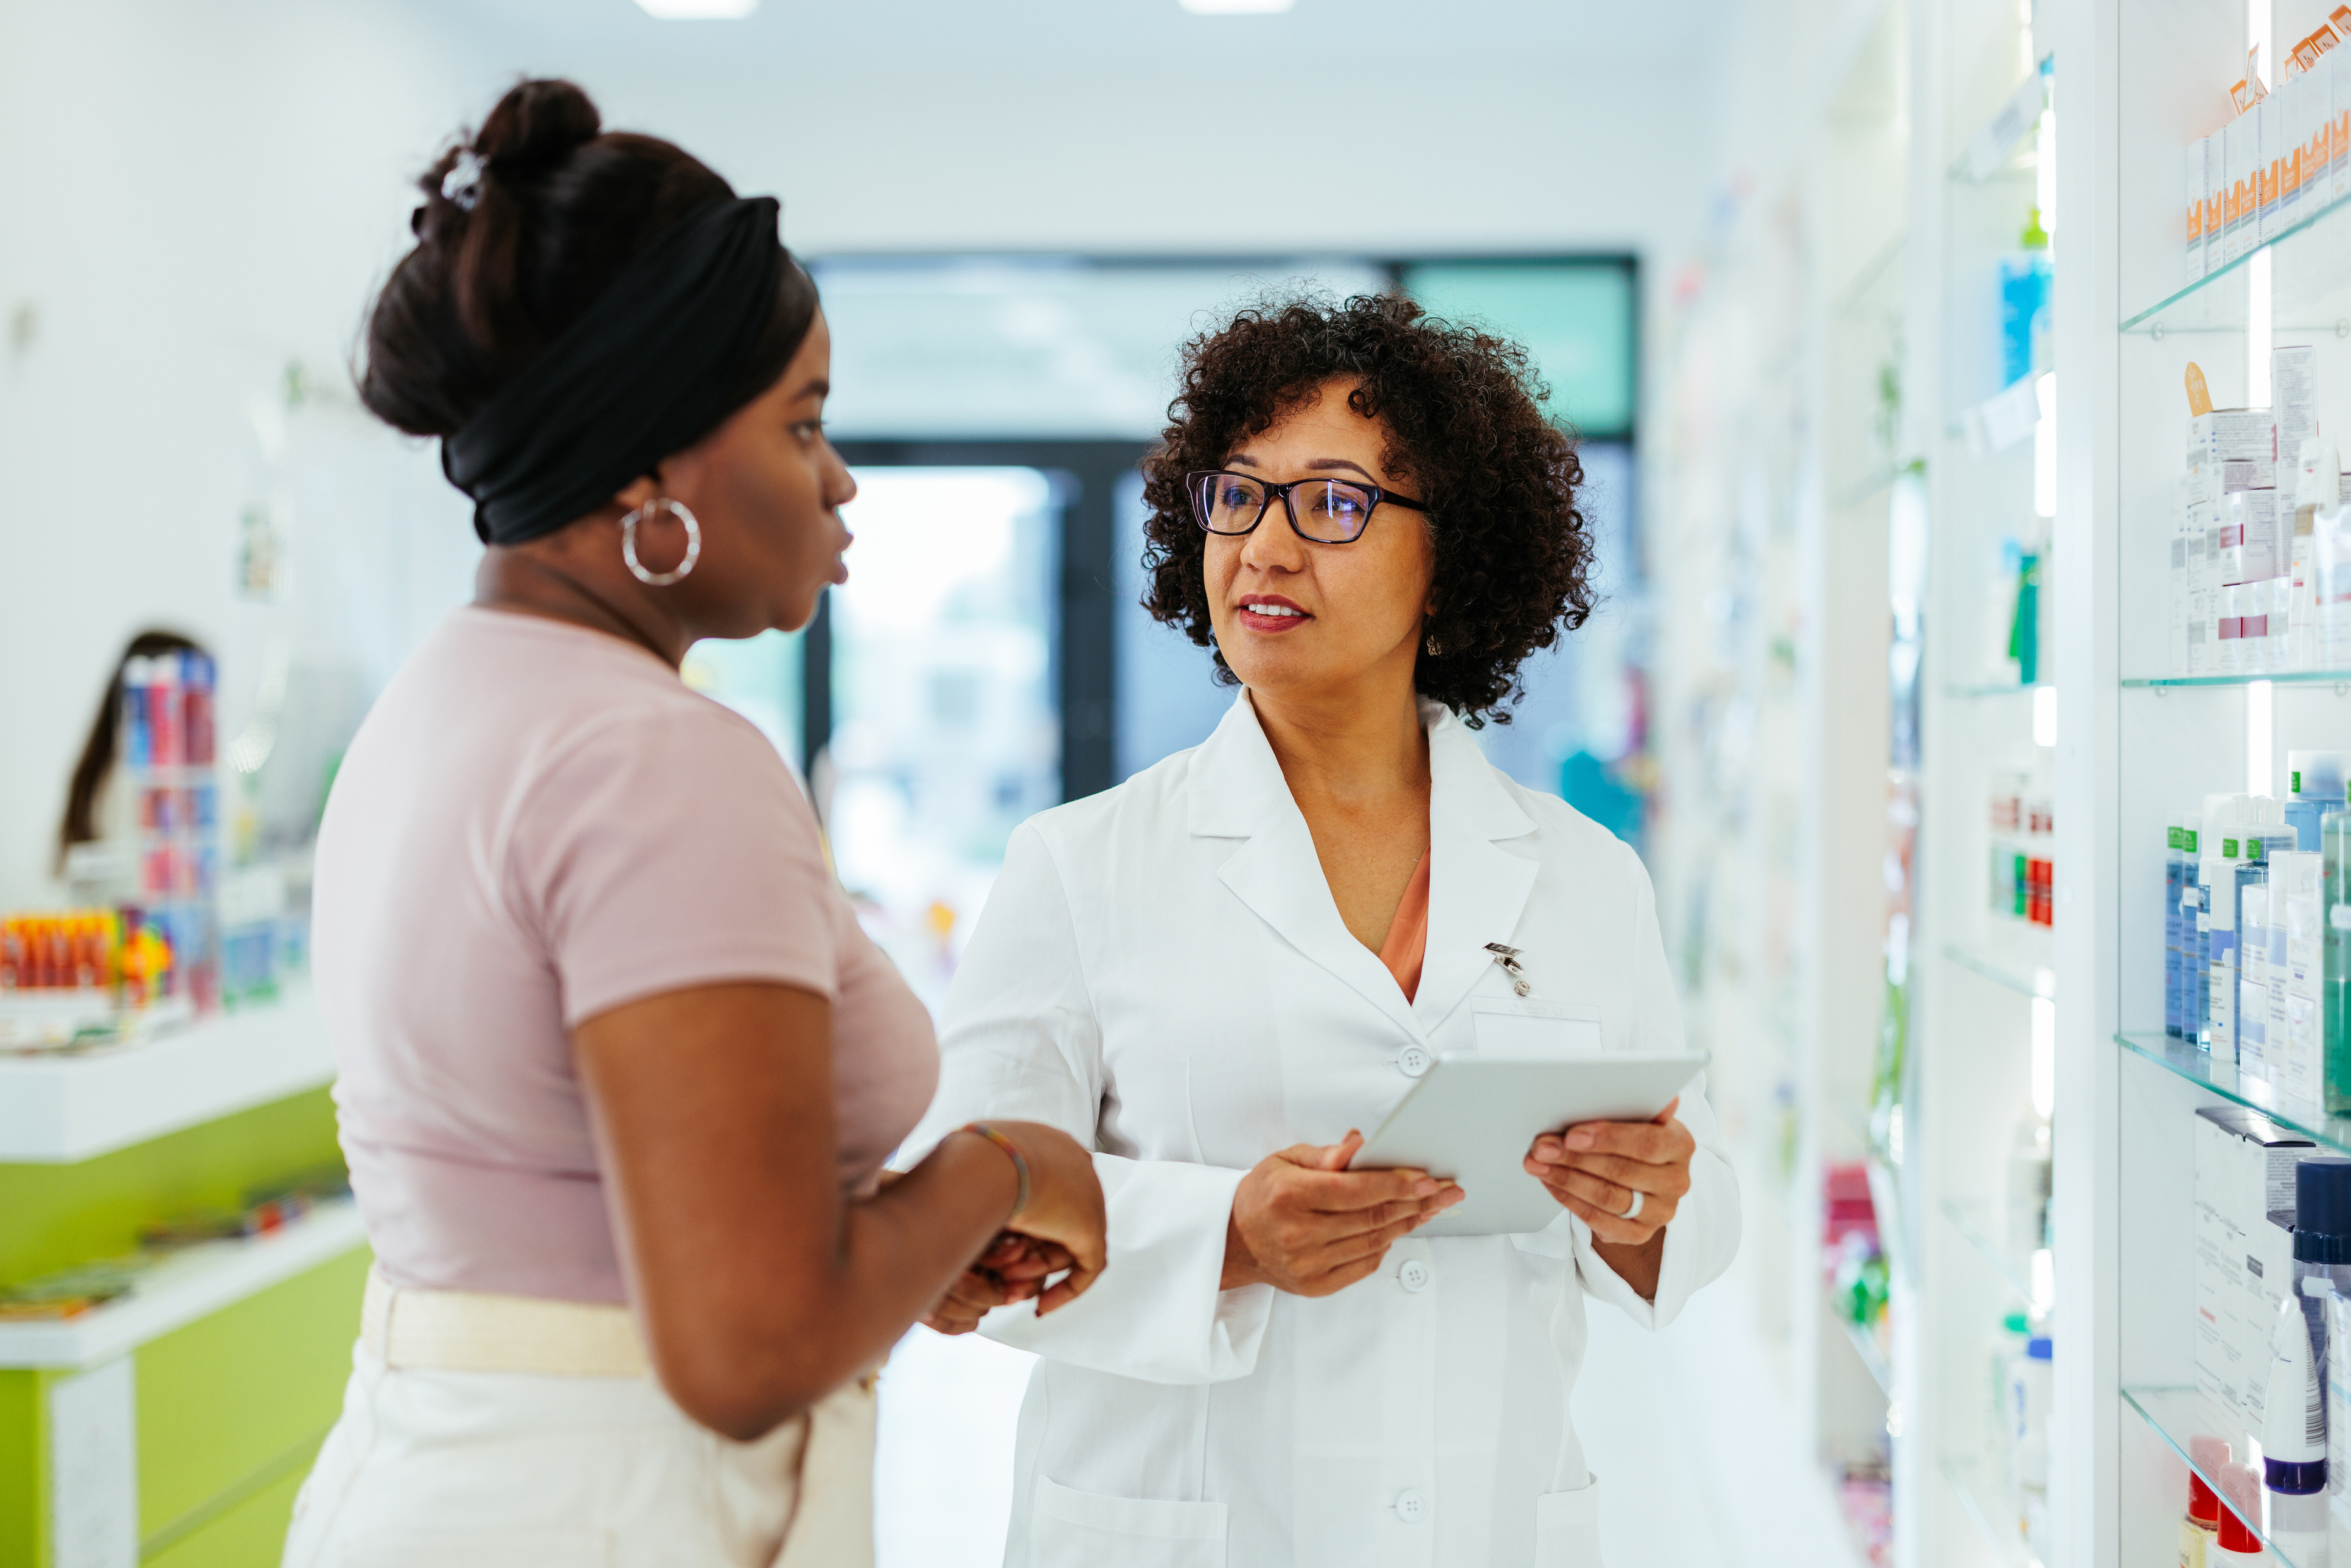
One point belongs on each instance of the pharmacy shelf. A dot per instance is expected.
(2279, 678)
(192, 1285)
(1978, 1223)
(61, 1107)
(2223, 1079)
(2310, 287)
(1979, 1491)
(2025, 979)
(2177, 1414)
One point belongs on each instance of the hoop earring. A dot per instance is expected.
(629, 543)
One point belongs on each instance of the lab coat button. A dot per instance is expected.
(1413, 1062)
(1414, 1275)
(1411, 1507)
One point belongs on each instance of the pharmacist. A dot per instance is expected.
(1214, 972)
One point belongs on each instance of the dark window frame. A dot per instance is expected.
(1086, 652)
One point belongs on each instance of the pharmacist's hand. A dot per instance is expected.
(1304, 1223)
(1595, 1168)
(1064, 1209)
(1013, 1268)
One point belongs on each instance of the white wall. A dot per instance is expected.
(191, 197)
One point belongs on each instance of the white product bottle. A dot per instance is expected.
(2029, 1397)
(2293, 1437)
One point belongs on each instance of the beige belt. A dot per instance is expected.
(465, 1330)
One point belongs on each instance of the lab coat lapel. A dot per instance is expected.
(1477, 889)
(1237, 790)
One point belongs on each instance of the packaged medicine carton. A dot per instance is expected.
(2244, 1260)
(2194, 191)
(2338, 67)
(2294, 400)
(2318, 129)
(2268, 125)
(2229, 436)
(2176, 579)
(2253, 979)
(2204, 590)
(2298, 1046)
(2249, 537)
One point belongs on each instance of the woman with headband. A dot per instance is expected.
(618, 1068)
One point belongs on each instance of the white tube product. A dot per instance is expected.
(2294, 1437)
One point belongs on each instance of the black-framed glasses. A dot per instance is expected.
(1327, 511)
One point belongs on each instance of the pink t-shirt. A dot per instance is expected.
(537, 823)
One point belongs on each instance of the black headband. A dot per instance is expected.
(658, 362)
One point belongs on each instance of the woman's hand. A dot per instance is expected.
(1064, 1209)
(1304, 1223)
(1013, 1268)
(1595, 1168)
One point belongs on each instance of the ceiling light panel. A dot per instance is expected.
(698, 10)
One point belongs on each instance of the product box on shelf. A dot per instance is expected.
(2239, 147)
(2296, 1045)
(2196, 188)
(2245, 1259)
(2232, 436)
(2266, 123)
(2337, 67)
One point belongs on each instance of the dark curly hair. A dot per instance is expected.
(1464, 410)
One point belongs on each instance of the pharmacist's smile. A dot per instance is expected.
(1271, 612)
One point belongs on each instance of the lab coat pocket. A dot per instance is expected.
(1070, 1529)
(1510, 1027)
(1567, 1528)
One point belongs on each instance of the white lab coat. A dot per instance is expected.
(1161, 972)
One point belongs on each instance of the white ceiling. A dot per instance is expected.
(1288, 52)
(1361, 126)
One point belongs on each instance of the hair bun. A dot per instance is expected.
(537, 125)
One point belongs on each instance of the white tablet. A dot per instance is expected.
(1475, 1113)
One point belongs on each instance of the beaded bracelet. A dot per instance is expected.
(1019, 1162)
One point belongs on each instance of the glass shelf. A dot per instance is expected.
(2310, 287)
(2025, 979)
(1980, 1493)
(2175, 1414)
(1996, 689)
(1978, 1221)
(2223, 1079)
(2278, 678)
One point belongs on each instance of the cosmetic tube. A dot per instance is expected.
(2294, 1435)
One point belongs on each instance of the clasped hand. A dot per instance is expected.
(1595, 1168)
(1304, 1223)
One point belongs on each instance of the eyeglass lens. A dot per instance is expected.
(1330, 511)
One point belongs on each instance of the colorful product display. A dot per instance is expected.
(2261, 545)
(70, 1292)
(2254, 966)
(2280, 158)
(2022, 883)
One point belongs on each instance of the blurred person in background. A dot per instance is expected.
(618, 1068)
(1218, 972)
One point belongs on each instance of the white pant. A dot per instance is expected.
(434, 1469)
